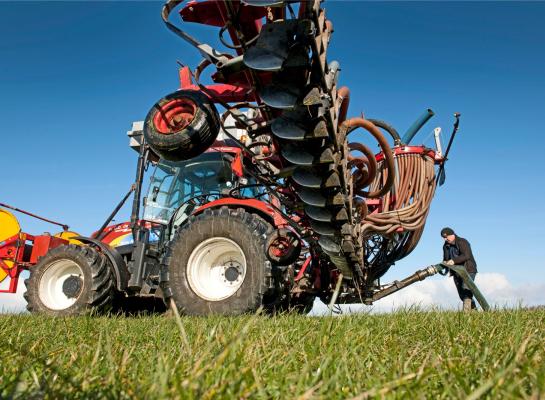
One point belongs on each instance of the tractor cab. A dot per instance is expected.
(178, 187)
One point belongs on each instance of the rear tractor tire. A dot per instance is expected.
(70, 280)
(218, 265)
(181, 125)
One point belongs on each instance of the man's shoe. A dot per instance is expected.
(467, 305)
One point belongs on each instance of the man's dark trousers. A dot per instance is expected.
(463, 290)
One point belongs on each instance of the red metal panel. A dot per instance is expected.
(185, 78)
(247, 203)
(112, 232)
(236, 165)
(12, 249)
(208, 13)
(8, 247)
(42, 244)
(227, 93)
(400, 150)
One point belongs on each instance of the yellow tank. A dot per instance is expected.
(68, 235)
(9, 226)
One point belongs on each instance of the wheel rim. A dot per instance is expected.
(174, 116)
(58, 288)
(216, 269)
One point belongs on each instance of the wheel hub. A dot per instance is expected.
(61, 284)
(216, 269)
(232, 272)
(174, 116)
(72, 286)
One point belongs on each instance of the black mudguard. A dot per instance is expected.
(118, 263)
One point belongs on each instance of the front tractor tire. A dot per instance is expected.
(70, 280)
(181, 125)
(218, 265)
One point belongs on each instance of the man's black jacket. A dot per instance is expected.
(465, 257)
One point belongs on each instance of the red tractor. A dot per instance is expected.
(209, 237)
(270, 203)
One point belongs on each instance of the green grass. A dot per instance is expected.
(407, 354)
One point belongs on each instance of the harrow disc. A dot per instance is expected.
(304, 93)
(281, 66)
(283, 96)
(308, 177)
(312, 197)
(318, 213)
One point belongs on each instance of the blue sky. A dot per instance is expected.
(74, 75)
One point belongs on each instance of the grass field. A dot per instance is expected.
(407, 354)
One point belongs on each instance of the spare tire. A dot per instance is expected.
(181, 125)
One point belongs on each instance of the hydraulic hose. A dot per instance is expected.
(386, 150)
(416, 126)
(369, 161)
(388, 128)
(343, 96)
(405, 213)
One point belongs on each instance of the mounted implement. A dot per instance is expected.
(20, 251)
(357, 212)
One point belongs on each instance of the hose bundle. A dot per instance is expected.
(404, 208)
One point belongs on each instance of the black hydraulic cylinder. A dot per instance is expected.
(441, 173)
(137, 265)
(113, 214)
(140, 169)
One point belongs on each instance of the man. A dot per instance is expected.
(457, 251)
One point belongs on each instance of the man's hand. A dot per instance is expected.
(448, 262)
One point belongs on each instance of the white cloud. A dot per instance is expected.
(441, 292)
(496, 287)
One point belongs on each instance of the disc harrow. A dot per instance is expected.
(362, 211)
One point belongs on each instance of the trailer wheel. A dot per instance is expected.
(217, 263)
(70, 280)
(181, 125)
